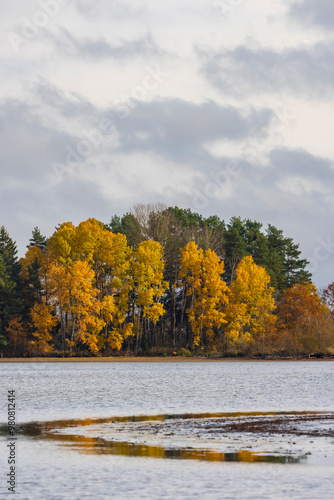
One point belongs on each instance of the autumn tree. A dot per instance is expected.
(74, 297)
(42, 324)
(60, 244)
(251, 302)
(328, 297)
(201, 276)
(304, 320)
(72, 279)
(109, 256)
(297, 301)
(104, 258)
(148, 287)
(114, 282)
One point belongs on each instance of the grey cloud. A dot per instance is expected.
(314, 12)
(261, 187)
(304, 164)
(114, 8)
(26, 144)
(178, 129)
(68, 105)
(296, 176)
(80, 200)
(171, 128)
(99, 48)
(307, 70)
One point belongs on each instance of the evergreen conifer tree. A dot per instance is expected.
(10, 283)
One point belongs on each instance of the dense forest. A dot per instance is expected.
(158, 281)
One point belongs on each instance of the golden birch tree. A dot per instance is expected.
(75, 299)
(43, 322)
(148, 284)
(251, 302)
(201, 275)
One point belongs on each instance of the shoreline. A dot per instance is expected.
(153, 359)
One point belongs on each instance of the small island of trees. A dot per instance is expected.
(161, 280)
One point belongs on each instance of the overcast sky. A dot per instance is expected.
(225, 107)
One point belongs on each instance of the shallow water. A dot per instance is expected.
(62, 459)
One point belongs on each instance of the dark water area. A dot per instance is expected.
(170, 430)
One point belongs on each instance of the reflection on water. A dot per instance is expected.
(230, 422)
(99, 446)
(39, 427)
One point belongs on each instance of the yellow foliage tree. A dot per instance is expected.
(114, 281)
(108, 257)
(86, 240)
(249, 311)
(74, 296)
(42, 321)
(201, 274)
(148, 283)
(60, 245)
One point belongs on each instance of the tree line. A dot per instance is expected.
(161, 280)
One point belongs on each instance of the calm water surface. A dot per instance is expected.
(58, 469)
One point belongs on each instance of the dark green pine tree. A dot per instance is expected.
(187, 217)
(37, 240)
(31, 288)
(6, 289)
(277, 247)
(115, 225)
(31, 285)
(286, 266)
(294, 268)
(235, 247)
(257, 243)
(11, 303)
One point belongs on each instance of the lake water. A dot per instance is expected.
(146, 430)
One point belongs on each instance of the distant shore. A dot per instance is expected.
(154, 359)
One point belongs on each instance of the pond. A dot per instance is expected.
(170, 430)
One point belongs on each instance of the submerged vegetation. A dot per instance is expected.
(160, 281)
